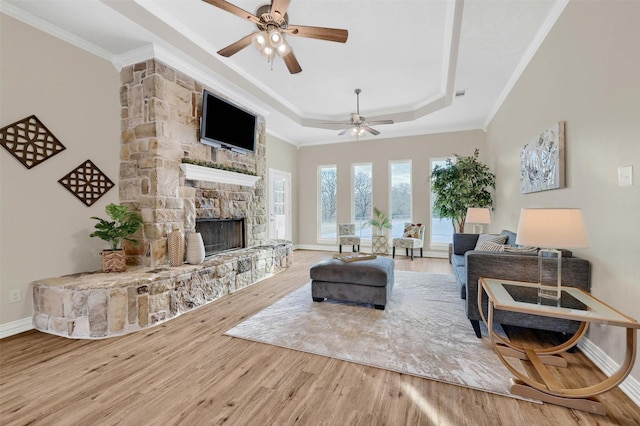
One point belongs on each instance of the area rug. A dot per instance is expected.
(422, 332)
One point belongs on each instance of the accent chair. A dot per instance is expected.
(347, 236)
(412, 238)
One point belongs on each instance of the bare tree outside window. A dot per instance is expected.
(400, 196)
(362, 198)
(328, 177)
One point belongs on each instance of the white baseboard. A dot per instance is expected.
(630, 386)
(15, 327)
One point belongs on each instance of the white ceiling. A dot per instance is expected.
(408, 57)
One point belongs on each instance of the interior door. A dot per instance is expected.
(279, 205)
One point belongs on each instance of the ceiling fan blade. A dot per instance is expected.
(370, 130)
(330, 34)
(344, 132)
(280, 6)
(292, 63)
(233, 9)
(234, 48)
(338, 123)
(380, 122)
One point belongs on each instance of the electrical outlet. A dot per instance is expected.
(15, 295)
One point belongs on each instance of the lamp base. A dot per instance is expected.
(546, 291)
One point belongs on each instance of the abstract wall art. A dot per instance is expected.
(542, 161)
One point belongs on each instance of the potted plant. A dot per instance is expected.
(123, 223)
(461, 184)
(380, 221)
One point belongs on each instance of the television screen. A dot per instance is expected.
(225, 124)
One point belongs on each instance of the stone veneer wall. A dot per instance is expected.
(99, 305)
(161, 110)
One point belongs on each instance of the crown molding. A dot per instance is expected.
(54, 31)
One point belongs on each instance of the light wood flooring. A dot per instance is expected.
(187, 372)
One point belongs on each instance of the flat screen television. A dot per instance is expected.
(227, 125)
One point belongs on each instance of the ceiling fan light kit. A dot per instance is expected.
(273, 22)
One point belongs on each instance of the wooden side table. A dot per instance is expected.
(379, 244)
(575, 304)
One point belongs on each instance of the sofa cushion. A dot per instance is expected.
(462, 243)
(511, 237)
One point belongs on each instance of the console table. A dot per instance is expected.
(575, 304)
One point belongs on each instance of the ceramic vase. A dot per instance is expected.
(175, 241)
(195, 248)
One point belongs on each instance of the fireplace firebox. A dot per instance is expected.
(221, 234)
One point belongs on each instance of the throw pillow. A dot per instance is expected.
(498, 239)
(490, 246)
(412, 230)
(521, 249)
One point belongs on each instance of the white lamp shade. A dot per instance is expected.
(552, 228)
(480, 215)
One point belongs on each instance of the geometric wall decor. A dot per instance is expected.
(87, 183)
(542, 161)
(30, 141)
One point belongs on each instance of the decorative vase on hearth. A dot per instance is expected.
(195, 248)
(175, 241)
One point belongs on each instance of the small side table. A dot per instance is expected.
(575, 304)
(380, 244)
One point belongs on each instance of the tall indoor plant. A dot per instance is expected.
(122, 225)
(461, 184)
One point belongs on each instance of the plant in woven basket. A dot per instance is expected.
(122, 225)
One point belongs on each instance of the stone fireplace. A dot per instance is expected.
(161, 110)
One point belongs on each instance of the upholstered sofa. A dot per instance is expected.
(469, 264)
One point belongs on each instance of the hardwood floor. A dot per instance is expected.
(187, 372)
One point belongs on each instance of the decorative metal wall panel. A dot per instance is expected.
(30, 141)
(87, 183)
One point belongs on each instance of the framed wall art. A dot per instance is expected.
(542, 161)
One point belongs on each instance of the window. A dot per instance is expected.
(362, 198)
(441, 229)
(327, 192)
(400, 176)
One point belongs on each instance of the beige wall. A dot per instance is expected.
(283, 156)
(379, 152)
(44, 229)
(587, 73)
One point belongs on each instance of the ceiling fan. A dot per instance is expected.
(273, 22)
(359, 124)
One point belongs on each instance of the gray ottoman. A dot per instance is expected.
(365, 281)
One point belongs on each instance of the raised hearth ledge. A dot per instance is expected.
(96, 305)
(210, 174)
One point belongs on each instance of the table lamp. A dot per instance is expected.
(551, 229)
(478, 216)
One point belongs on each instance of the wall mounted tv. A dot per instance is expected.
(227, 125)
